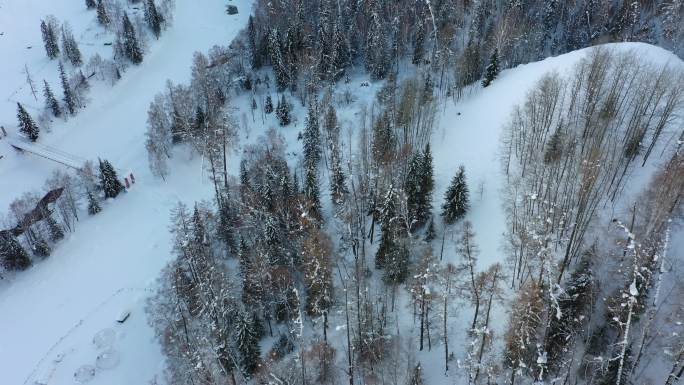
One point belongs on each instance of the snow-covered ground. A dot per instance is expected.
(54, 316)
(52, 312)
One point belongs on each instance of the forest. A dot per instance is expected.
(327, 255)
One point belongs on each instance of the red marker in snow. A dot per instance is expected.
(132, 178)
(128, 185)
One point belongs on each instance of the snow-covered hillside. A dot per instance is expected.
(58, 318)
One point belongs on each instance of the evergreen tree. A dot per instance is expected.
(383, 140)
(574, 309)
(247, 342)
(102, 15)
(275, 52)
(419, 45)
(27, 125)
(492, 70)
(109, 181)
(312, 138)
(47, 29)
(428, 173)
(418, 187)
(56, 232)
(253, 41)
(93, 204)
(131, 48)
(153, 18)
(430, 232)
(377, 60)
(283, 112)
(199, 123)
(13, 257)
(554, 148)
(340, 53)
(40, 246)
(50, 100)
(68, 93)
(90, 4)
(70, 47)
(338, 187)
(311, 191)
(396, 264)
(413, 189)
(388, 227)
(268, 106)
(456, 198)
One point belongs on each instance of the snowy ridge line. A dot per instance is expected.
(71, 330)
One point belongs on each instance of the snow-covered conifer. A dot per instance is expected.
(131, 47)
(70, 46)
(51, 102)
(69, 100)
(102, 15)
(48, 29)
(492, 70)
(13, 257)
(268, 106)
(283, 111)
(27, 125)
(153, 18)
(109, 181)
(456, 198)
(93, 204)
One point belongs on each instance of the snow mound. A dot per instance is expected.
(108, 359)
(85, 374)
(104, 339)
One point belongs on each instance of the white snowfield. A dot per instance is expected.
(58, 319)
(50, 314)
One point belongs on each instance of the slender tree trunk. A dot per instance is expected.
(325, 326)
(441, 251)
(422, 318)
(350, 367)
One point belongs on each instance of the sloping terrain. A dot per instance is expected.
(59, 317)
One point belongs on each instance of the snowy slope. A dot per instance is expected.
(58, 306)
(470, 131)
(469, 134)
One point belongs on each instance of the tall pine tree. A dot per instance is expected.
(153, 18)
(275, 52)
(131, 48)
(268, 106)
(492, 70)
(109, 181)
(247, 341)
(50, 100)
(27, 125)
(102, 15)
(13, 257)
(388, 227)
(70, 47)
(93, 204)
(312, 138)
(47, 29)
(69, 101)
(456, 198)
(283, 112)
